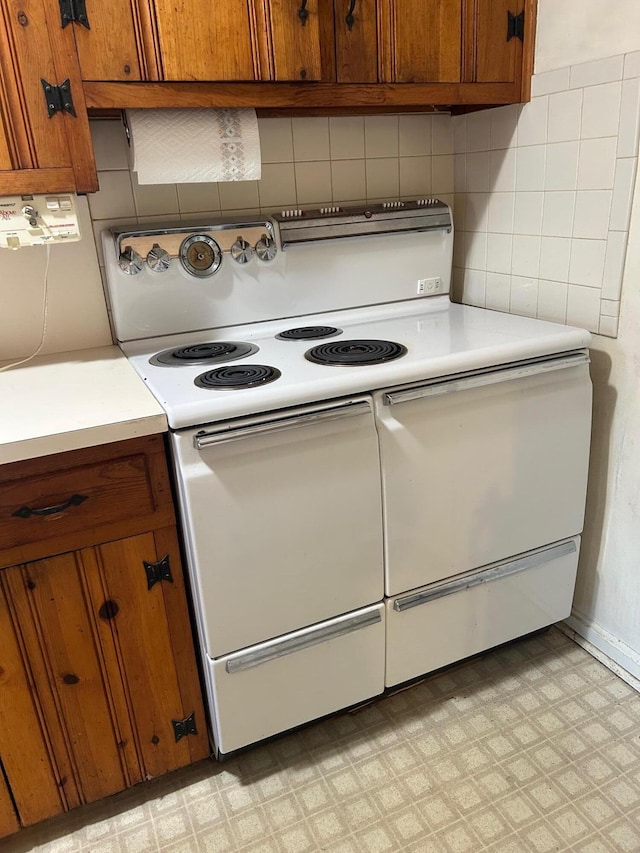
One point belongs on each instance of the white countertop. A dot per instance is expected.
(72, 400)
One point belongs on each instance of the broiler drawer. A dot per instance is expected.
(104, 492)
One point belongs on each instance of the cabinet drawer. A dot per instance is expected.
(101, 493)
(443, 623)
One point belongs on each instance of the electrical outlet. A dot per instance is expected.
(429, 286)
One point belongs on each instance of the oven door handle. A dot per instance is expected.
(296, 644)
(205, 439)
(491, 573)
(486, 377)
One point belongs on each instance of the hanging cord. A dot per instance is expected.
(45, 310)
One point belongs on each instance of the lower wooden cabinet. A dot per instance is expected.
(99, 687)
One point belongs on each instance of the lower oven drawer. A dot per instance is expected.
(437, 625)
(274, 686)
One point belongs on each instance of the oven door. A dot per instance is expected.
(482, 466)
(283, 520)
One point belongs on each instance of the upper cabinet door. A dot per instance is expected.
(356, 38)
(498, 50)
(108, 48)
(293, 32)
(422, 40)
(200, 40)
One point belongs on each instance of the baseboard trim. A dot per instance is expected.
(617, 656)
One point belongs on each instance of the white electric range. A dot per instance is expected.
(373, 481)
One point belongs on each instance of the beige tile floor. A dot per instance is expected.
(533, 747)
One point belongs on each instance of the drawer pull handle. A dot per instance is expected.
(27, 511)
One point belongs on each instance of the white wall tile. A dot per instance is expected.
(311, 138)
(550, 81)
(348, 180)
(442, 174)
(629, 119)
(503, 126)
(474, 287)
(114, 199)
(614, 264)
(532, 124)
(459, 134)
(475, 250)
(557, 213)
(502, 170)
(609, 326)
(383, 177)
(459, 207)
(277, 186)
(562, 166)
(415, 135)
(276, 140)
(460, 173)
(479, 131)
(591, 217)
(601, 110)
(415, 176)
(459, 248)
(477, 211)
(632, 64)
(497, 291)
(598, 71)
(587, 262)
(623, 186)
(313, 182)
(555, 253)
(525, 259)
(610, 308)
(528, 213)
(239, 195)
(381, 136)
(196, 197)
(565, 116)
(501, 209)
(583, 308)
(346, 137)
(499, 248)
(442, 135)
(530, 168)
(597, 164)
(552, 301)
(478, 172)
(524, 295)
(109, 144)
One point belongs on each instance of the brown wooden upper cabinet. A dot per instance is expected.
(45, 144)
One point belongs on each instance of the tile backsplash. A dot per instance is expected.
(305, 161)
(543, 196)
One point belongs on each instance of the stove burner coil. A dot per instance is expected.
(237, 376)
(308, 333)
(209, 352)
(355, 352)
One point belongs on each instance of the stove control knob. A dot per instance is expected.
(241, 251)
(158, 258)
(266, 248)
(130, 261)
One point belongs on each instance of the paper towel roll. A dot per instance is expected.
(187, 146)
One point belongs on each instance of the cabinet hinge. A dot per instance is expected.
(73, 11)
(156, 572)
(515, 26)
(58, 98)
(184, 727)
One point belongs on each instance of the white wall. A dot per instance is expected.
(574, 31)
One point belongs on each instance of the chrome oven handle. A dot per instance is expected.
(492, 573)
(221, 436)
(297, 644)
(487, 377)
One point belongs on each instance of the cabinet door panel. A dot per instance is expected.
(8, 819)
(199, 41)
(357, 47)
(5, 154)
(497, 60)
(295, 47)
(23, 744)
(425, 41)
(109, 48)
